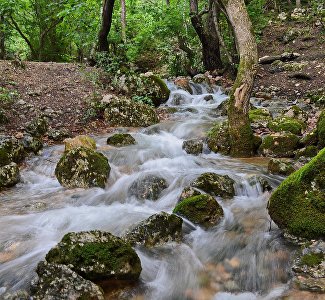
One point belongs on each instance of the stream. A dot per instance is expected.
(242, 258)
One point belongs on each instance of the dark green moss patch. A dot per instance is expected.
(287, 125)
(312, 259)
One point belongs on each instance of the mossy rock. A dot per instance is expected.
(96, 255)
(215, 185)
(59, 282)
(321, 130)
(80, 141)
(193, 146)
(309, 151)
(129, 114)
(286, 124)
(259, 115)
(202, 210)
(147, 187)
(218, 138)
(121, 139)
(280, 166)
(298, 204)
(156, 230)
(31, 144)
(188, 192)
(163, 92)
(9, 175)
(82, 167)
(310, 139)
(38, 127)
(279, 145)
(58, 135)
(10, 150)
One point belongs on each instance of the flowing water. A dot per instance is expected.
(244, 257)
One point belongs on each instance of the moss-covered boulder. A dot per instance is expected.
(147, 187)
(158, 90)
(31, 144)
(298, 204)
(121, 139)
(279, 145)
(130, 114)
(10, 150)
(218, 138)
(193, 146)
(82, 167)
(286, 124)
(310, 139)
(188, 192)
(58, 135)
(37, 127)
(280, 166)
(309, 151)
(59, 282)
(156, 230)
(259, 115)
(96, 255)
(215, 184)
(321, 130)
(79, 141)
(202, 210)
(9, 175)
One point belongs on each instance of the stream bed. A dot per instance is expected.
(244, 257)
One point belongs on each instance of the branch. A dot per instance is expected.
(54, 24)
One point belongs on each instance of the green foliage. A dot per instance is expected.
(7, 97)
(258, 15)
(142, 99)
(312, 259)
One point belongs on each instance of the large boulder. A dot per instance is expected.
(10, 150)
(96, 255)
(59, 282)
(147, 187)
(82, 167)
(130, 114)
(193, 146)
(215, 184)
(218, 138)
(121, 139)
(9, 175)
(279, 145)
(202, 210)
(286, 124)
(80, 141)
(157, 89)
(37, 127)
(156, 230)
(298, 204)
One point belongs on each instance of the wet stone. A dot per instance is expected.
(189, 192)
(37, 127)
(31, 144)
(121, 139)
(194, 146)
(9, 175)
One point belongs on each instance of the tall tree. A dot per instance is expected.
(203, 23)
(241, 135)
(123, 20)
(107, 16)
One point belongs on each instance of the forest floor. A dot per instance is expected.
(62, 91)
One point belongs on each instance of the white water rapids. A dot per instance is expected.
(243, 258)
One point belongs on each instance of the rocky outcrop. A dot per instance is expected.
(298, 204)
(121, 139)
(156, 230)
(96, 255)
(286, 124)
(147, 187)
(82, 167)
(215, 184)
(202, 210)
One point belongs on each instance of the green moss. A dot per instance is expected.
(121, 139)
(312, 259)
(298, 203)
(321, 129)
(309, 151)
(218, 138)
(202, 209)
(259, 114)
(287, 125)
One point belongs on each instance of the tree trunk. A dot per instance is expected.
(203, 24)
(2, 38)
(123, 20)
(107, 15)
(298, 3)
(241, 135)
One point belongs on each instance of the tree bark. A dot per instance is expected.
(298, 3)
(2, 38)
(123, 20)
(203, 24)
(107, 15)
(241, 135)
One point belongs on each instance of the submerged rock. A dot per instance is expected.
(218, 138)
(156, 230)
(298, 204)
(194, 146)
(96, 255)
(280, 166)
(10, 150)
(215, 184)
(79, 141)
(279, 145)
(130, 114)
(147, 187)
(82, 167)
(9, 175)
(59, 282)
(121, 139)
(37, 127)
(202, 210)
